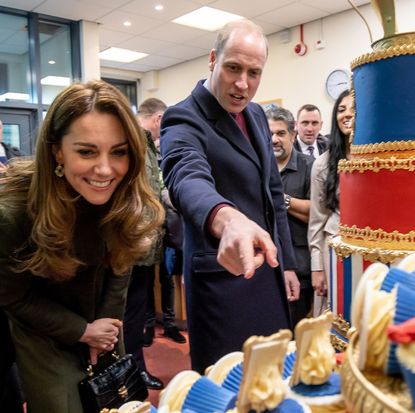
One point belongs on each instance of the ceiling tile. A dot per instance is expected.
(72, 9)
(22, 4)
(173, 32)
(184, 52)
(206, 41)
(172, 9)
(267, 27)
(112, 37)
(292, 15)
(331, 6)
(249, 9)
(146, 45)
(139, 24)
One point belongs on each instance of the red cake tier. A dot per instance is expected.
(377, 208)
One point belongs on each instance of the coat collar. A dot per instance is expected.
(227, 127)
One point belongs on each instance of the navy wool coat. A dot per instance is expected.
(208, 161)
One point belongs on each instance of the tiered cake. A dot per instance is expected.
(376, 195)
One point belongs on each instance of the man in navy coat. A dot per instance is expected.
(219, 167)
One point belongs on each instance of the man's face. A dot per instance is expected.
(282, 140)
(309, 126)
(237, 71)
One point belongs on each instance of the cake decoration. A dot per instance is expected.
(315, 354)
(262, 387)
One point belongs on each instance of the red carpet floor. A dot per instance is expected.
(164, 359)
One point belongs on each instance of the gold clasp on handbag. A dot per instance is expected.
(123, 392)
(90, 370)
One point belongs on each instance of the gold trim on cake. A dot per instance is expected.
(397, 49)
(385, 256)
(393, 146)
(370, 392)
(376, 164)
(401, 39)
(368, 237)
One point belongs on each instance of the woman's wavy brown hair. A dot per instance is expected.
(134, 215)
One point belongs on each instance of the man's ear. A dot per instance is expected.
(212, 59)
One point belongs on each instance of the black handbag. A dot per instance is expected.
(113, 385)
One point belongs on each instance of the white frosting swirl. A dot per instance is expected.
(318, 362)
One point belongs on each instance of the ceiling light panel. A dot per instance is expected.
(116, 54)
(207, 18)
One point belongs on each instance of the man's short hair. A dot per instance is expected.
(283, 115)
(308, 107)
(229, 28)
(151, 106)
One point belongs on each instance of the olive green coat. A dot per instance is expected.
(47, 318)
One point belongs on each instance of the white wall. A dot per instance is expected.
(297, 79)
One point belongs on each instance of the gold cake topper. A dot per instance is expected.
(385, 10)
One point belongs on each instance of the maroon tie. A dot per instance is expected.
(240, 120)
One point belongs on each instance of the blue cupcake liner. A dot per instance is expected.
(286, 406)
(205, 396)
(289, 365)
(330, 388)
(409, 377)
(404, 310)
(233, 380)
(396, 275)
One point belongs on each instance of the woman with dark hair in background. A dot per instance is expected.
(324, 210)
(73, 222)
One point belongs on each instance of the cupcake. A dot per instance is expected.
(262, 387)
(133, 407)
(314, 381)
(404, 336)
(227, 371)
(188, 391)
(404, 311)
(395, 276)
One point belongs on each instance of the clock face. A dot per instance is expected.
(337, 81)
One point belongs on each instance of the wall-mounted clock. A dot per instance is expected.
(337, 81)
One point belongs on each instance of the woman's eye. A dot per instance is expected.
(120, 152)
(85, 152)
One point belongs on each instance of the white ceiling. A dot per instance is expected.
(168, 43)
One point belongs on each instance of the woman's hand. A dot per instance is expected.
(319, 282)
(102, 334)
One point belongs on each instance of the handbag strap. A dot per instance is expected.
(90, 369)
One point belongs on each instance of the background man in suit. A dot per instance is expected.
(219, 167)
(308, 125)
(295, 170)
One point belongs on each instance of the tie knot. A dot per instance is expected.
(311, 150)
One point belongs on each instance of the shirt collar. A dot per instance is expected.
(304, 146)
(292, 163)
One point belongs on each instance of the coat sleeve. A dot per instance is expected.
(319, 214)
(186, 170)
(22, 299)
(115, 296)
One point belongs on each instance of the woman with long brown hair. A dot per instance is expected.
(73, 222)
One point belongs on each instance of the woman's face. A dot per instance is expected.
(95, 157)
(345, 115)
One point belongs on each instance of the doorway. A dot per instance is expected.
(19, 128)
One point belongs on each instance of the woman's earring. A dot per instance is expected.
(59, 171)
